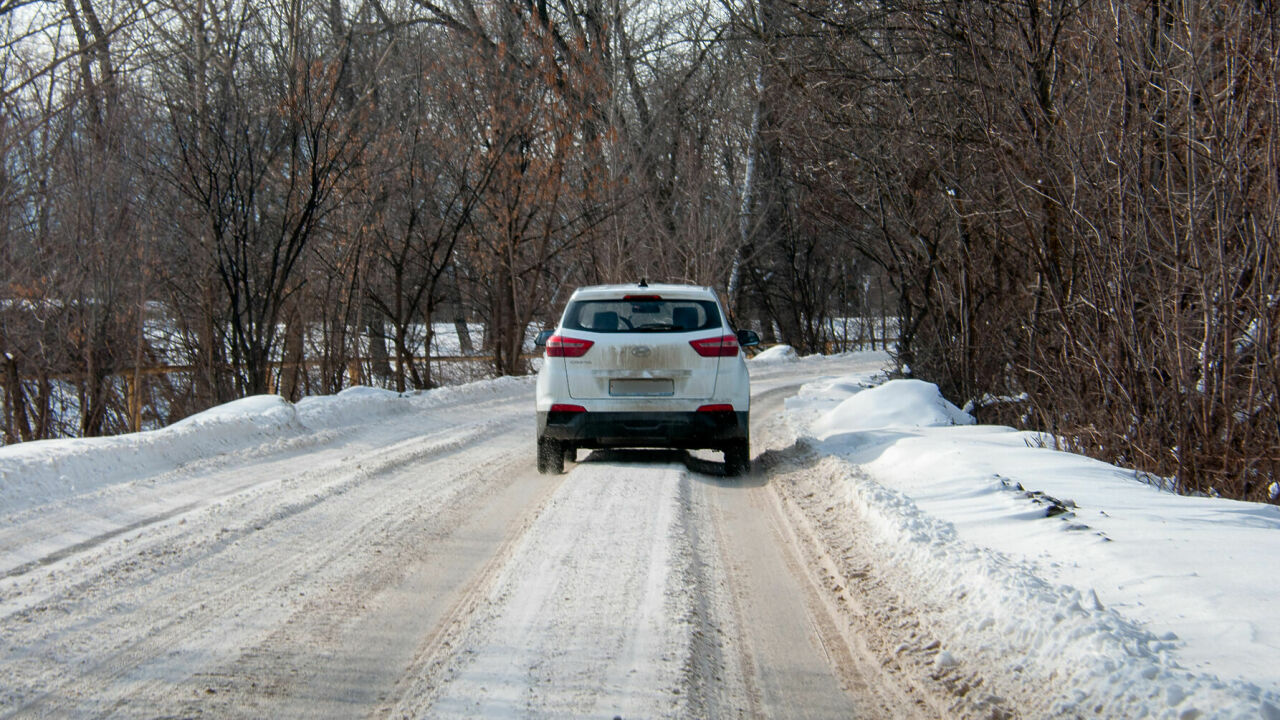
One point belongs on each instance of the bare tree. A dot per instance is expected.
(263, 149)
(421, 202)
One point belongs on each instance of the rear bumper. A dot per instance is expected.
(688, 430)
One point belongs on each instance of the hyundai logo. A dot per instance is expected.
(641, 351)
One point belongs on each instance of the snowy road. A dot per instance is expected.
(372, 554)
(419, 566)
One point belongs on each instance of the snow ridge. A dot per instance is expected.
(43, 471)
(1055, 647)
(994, 612)
(34, 473)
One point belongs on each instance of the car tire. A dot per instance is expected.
(570, 453)
(550, 456)
(737, 458)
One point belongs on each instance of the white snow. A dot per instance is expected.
(43, 471)
(777, 353)
(574, 630)
(37, 472)
(1125, 600)
(898, 404)
(1119, 599)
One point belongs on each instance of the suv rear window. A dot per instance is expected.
(608, 316)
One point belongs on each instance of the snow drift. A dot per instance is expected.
(1109, 597)
(37, 472)
(777, 353)
(43, 471)
(897, 403)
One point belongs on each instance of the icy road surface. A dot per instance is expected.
(416, 565)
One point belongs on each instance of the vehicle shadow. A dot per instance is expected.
(704, 470)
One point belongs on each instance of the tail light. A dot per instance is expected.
(561, 346)
(718, 407)
(723, 346)
(560, 407)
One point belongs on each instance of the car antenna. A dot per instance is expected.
(644, 282)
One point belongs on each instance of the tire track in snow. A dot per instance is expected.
(133, 623)
(799, 652)
(598, 611)
(391, 459)
(44, 534)
(345, 653)
(289, 492)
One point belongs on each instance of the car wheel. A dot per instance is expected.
(570, 453)
(550, 456)
(737, 458)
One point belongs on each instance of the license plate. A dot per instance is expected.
(642, 388)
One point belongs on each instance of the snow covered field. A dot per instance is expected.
(396, 553)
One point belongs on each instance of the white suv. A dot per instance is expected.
(644, 366)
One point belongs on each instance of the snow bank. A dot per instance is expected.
(361, 404)
(897, 403)
(35, 473)
(236, 420)
(1114, 598)
(350, 406)
(777, 353)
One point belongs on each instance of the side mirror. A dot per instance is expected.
(748, 338)
(541, 340)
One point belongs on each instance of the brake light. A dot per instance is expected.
(561, 346)
(719, 407)
(560, 407)
(723, 346)
(641, 297)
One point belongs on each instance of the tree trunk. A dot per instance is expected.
(376, 334)
(294, 358)
(465, 346)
